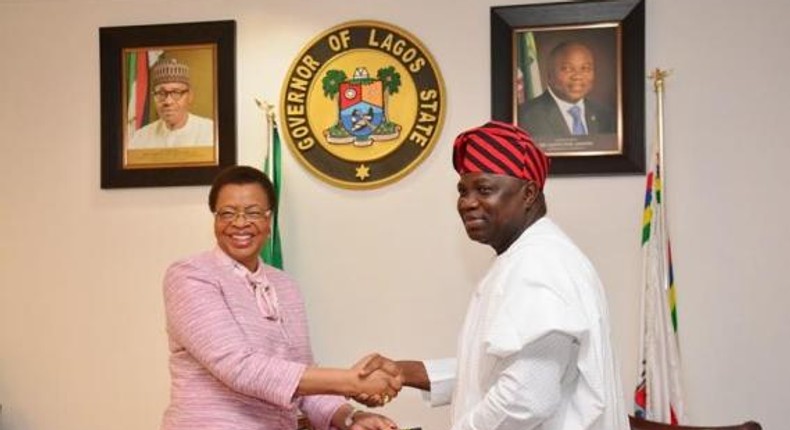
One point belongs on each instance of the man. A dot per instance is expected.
(564, 110)
(176, 126)
(534, 352)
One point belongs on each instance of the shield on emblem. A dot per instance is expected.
(361, 107)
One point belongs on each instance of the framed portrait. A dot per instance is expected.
(168, 103)
(573, 75)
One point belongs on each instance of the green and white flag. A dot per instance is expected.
(528, 67)
(272, 253)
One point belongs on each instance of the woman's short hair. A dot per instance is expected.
(240, 175)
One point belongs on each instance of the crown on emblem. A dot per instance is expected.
(361, 73)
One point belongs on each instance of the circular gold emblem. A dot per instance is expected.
(363, 104)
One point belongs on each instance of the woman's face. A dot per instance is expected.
(242, 222)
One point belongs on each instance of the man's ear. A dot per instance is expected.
(530, 191)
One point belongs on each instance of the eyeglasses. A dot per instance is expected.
(227, 215)
(176, 95)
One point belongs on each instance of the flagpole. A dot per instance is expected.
(658, 76)
(272, 252)
(658, 395)
(669, 392)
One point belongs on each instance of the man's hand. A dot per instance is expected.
(375, 361)
(373, 370)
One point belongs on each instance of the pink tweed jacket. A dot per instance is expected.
(235, 363)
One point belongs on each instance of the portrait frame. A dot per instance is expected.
(617, 26)
(209, 51)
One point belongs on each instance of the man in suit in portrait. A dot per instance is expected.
(564, 110)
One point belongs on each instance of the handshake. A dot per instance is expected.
(378, 380)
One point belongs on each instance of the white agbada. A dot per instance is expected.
(542, 287)
(197, 131)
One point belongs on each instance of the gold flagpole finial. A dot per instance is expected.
(267, 108)
(271, 124)
(657, 76)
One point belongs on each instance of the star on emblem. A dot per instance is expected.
(363, 172)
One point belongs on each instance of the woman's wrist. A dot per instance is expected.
(350, 382)
(344, 417)
(350, 417)
(317, 380)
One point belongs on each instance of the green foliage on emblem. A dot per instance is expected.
(332, 81)
(337, 130)
(386, 127)
(390, 79)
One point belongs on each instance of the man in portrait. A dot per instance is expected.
(564, 110)
(176, 126)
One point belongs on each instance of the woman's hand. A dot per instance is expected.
(371, 421)
(380, 380)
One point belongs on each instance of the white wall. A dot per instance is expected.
(82, 344)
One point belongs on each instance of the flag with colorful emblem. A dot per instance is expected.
(658, 395)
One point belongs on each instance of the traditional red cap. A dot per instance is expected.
(502, 149)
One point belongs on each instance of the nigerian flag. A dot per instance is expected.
(528, 71)
(136, 90)
(138, 63)
(272, 253)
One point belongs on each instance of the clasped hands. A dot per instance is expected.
(379, 380)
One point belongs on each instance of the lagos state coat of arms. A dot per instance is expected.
(362, 105)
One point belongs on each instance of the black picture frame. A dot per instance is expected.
(212, 45)
(614, 26)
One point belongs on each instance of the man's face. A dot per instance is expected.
(572, 73)
(242, 238)
(173, 100)
(492, 207)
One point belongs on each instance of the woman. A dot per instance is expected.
(240, 356)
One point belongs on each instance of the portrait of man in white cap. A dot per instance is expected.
(173, 95)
